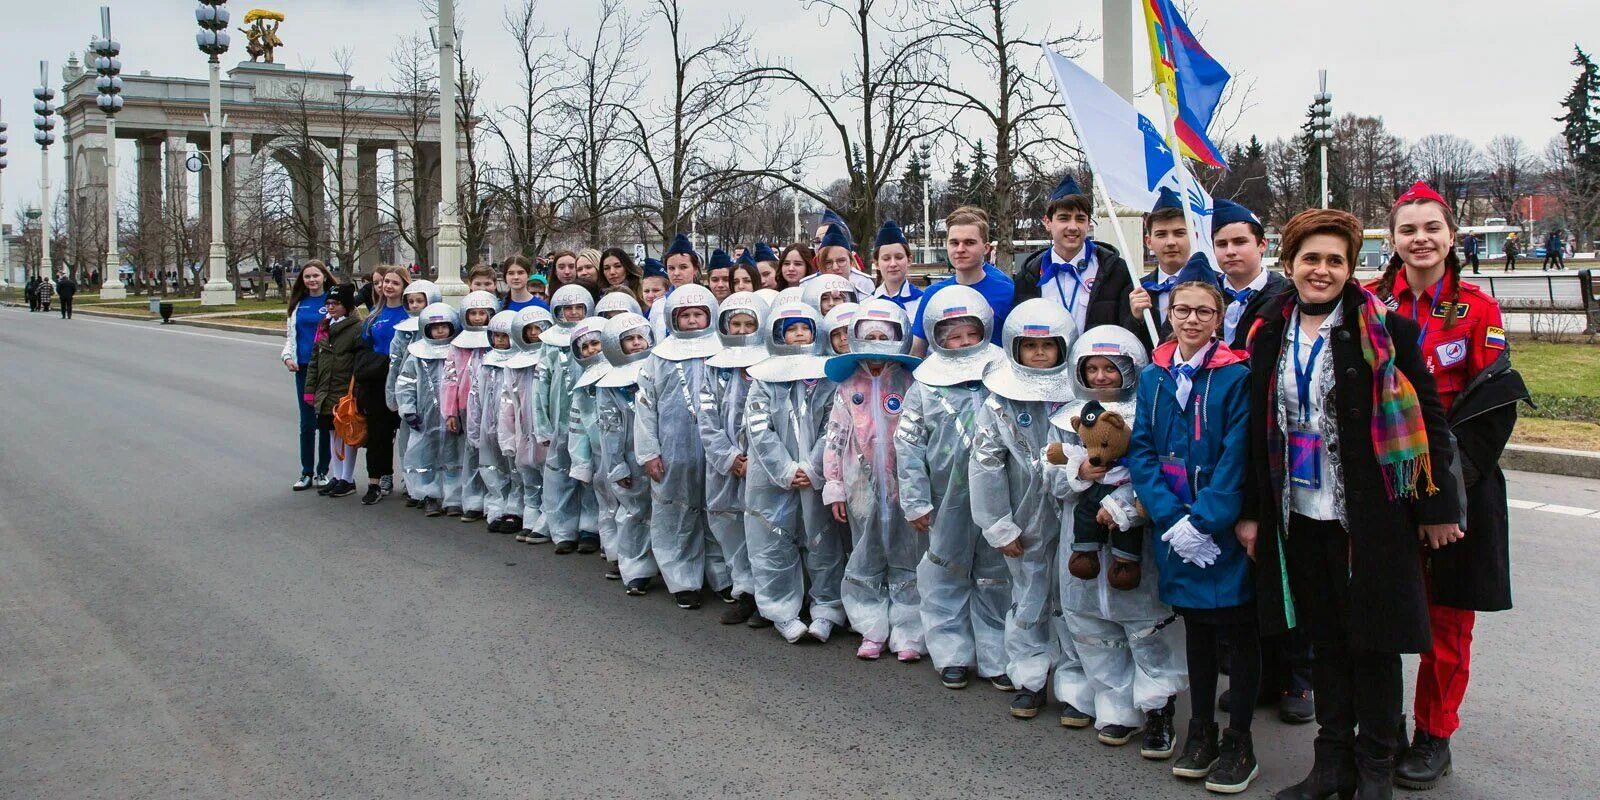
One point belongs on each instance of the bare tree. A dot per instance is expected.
(525, 179)
(1447, 162)
(601, 165)
(711, 133)
(475, 192)
(404, 201)
(1375, 165)
(1507, 173)
(879, 108)
(1284, 158)
(1568, 181)
(990, 39)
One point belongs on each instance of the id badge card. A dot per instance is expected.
(1176, 474)
(1305, 459)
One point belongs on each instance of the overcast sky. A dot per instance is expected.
(1477, 68)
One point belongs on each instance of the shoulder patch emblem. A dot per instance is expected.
(1495, 338)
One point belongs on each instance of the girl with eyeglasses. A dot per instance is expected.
(1190, 446)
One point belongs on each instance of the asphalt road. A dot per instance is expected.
(175, 622)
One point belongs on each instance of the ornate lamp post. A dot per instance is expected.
(109, 85)
(44, 125)
(213, 41)
(449, 237)
(1322, 128)
(5, 255)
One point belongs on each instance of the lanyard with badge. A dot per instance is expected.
(1305, 444)
(1428, 320)
(1175, 469)
(1071, 271)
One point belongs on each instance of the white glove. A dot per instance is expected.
(1191, 545)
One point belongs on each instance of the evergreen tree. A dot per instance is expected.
(958, 191)
(980, 191)
(912, 184)
(1580, 126)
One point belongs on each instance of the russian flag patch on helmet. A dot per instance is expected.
(1036, 330)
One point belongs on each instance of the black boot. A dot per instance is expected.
(1333, 774)
(1236, 764)
(742, 609)
(1425, 763)
(1200, 751)
(1375, 778)
(1159, 735)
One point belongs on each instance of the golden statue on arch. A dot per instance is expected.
(262, 33)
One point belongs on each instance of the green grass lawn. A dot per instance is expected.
(1561, 370)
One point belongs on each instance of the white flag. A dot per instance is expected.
(1130, 157)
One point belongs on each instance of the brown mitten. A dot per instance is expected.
(1055, 454)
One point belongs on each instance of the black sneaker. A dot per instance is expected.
(726, 596)
(743, 608)
(1297, 708)
(563, 548)
(345, 489)
(497, 525)
(1117, 735)
(1026, 704)
(1159, 736)
(1425, 763)
(328, 487)
(588, 545)
(638, 587)
(758, 621)
(412, 502)
(687, 601)
(471, 516)
(431, 508)
(1236, 767)
(373, 495)
(1003, 683)
(613, 571)
(1071, 717)
(452, 511)
(533, 537)
(512, 524)
(955, 677)
(1200, 753)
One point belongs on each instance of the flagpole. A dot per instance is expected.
(1122, 242)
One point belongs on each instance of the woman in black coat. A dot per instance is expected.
(1333, 518)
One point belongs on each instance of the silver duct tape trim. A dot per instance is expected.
(497, 358)
(557, 335)
(522, 359)
(409, 325)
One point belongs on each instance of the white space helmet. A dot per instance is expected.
(527, 352)
(683, 345)
(1034, 319)
(572, 294)
(501, 322)
(624, 366)
(595, 365)
(433, 314)
(1125, 352)
(770, 296)
(476, 336)
(424, 287)
(838, 317)
(793, 294)
(947, 367)
(743, 349)
(614, 303)
(828, 283)
(792, 362)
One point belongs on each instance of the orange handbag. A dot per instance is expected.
(348, 421)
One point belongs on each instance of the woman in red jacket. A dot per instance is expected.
(1464, 345)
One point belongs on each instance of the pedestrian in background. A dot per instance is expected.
(1512, 247)
(1554, 246)
(66, 287)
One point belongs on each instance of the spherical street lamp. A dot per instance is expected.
(109, 85)
(212, 39)
(44, 126)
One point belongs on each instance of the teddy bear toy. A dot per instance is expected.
(1108, 512)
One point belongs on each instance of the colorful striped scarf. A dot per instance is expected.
(1399, 435)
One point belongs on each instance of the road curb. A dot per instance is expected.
(223, 326)
(1551, 461)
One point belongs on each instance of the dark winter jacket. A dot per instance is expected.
(333, 362)
(1388, 604)
(66, 287)
(1475, 573)
(1108, 300)
(1214, 463)
(1276, 285)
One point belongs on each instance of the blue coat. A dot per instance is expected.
(1215, 454)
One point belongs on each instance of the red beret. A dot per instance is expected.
(1420, 191)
